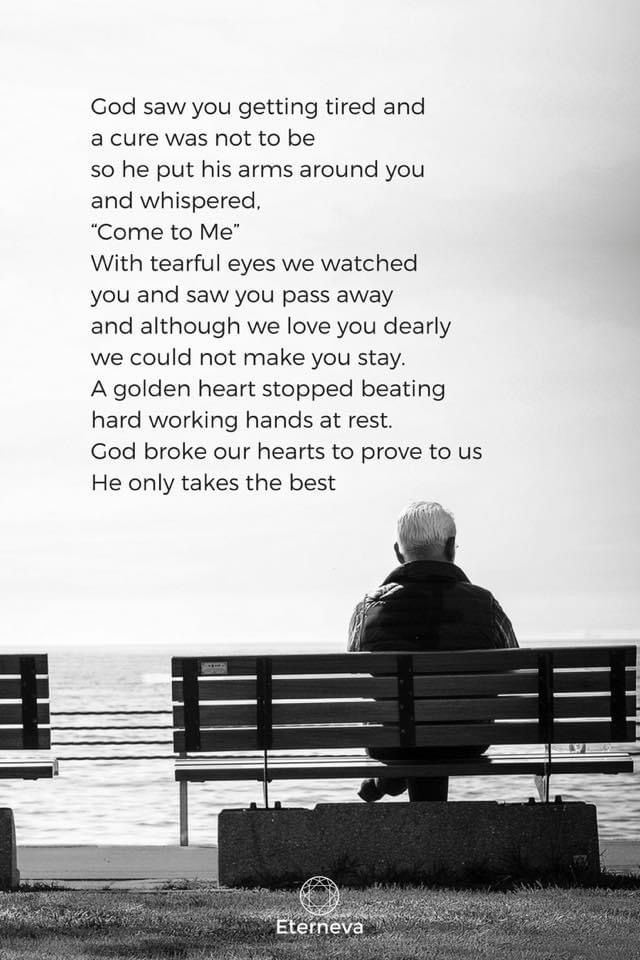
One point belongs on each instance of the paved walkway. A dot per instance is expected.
(620, 856)
(153, 866)
(126, 866)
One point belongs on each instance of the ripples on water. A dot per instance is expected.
(137, 801)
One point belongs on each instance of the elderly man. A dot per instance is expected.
(426, 603)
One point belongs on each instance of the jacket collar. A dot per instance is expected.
(419, 570)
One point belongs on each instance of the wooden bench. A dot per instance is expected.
(24, 715)
(260, 717)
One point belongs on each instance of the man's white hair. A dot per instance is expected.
(422, 524)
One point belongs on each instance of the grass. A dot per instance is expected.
(400, 923)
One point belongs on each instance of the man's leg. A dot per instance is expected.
(372, 790)
(428, 788)
(437, 788)
(420, 788)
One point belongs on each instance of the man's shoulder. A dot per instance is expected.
(384, 590)
(475, 589)
(362, 608)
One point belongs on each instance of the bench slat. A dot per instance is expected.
(590, 681)
(310, 738)
(359, 712)
(31, 770)
(523, 681)
(12, 690)
(319, 688)
(10, 663)
(431, 662)
(347, 663)
(499, 708)
(443, 735)
(287, 738)
(230, 715)
(515, 708)
(13, 739)
(489, 660)
(241, 739)
(294, 689)
(314, 768)
(11, 713)
(218, 690)
(227, 715)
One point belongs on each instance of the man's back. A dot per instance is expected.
(429, 605)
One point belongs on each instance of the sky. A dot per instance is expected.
(526, 228)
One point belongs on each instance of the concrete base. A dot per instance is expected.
(9, 874)
(462, 842)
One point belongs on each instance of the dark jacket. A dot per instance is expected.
(429, 605)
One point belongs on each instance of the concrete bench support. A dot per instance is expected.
(387, 842)
(9, 875)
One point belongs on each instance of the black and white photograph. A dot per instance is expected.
(320, 409)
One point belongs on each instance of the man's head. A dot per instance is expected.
(426, 531)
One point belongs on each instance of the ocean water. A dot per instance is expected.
(136, 801)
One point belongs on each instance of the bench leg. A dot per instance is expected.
(547, 777)
(543, 786)
(184, 813)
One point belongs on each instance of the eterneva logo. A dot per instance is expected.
(319, 896)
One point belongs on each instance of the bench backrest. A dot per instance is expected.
(328, 701)
(24, 702)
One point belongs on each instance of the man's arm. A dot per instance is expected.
(355, 629)
(504, 633)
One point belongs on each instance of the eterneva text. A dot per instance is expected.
(290, 926)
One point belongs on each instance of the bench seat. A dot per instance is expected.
(332, 767)
(28, 769)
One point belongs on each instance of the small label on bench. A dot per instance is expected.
(213, 668)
